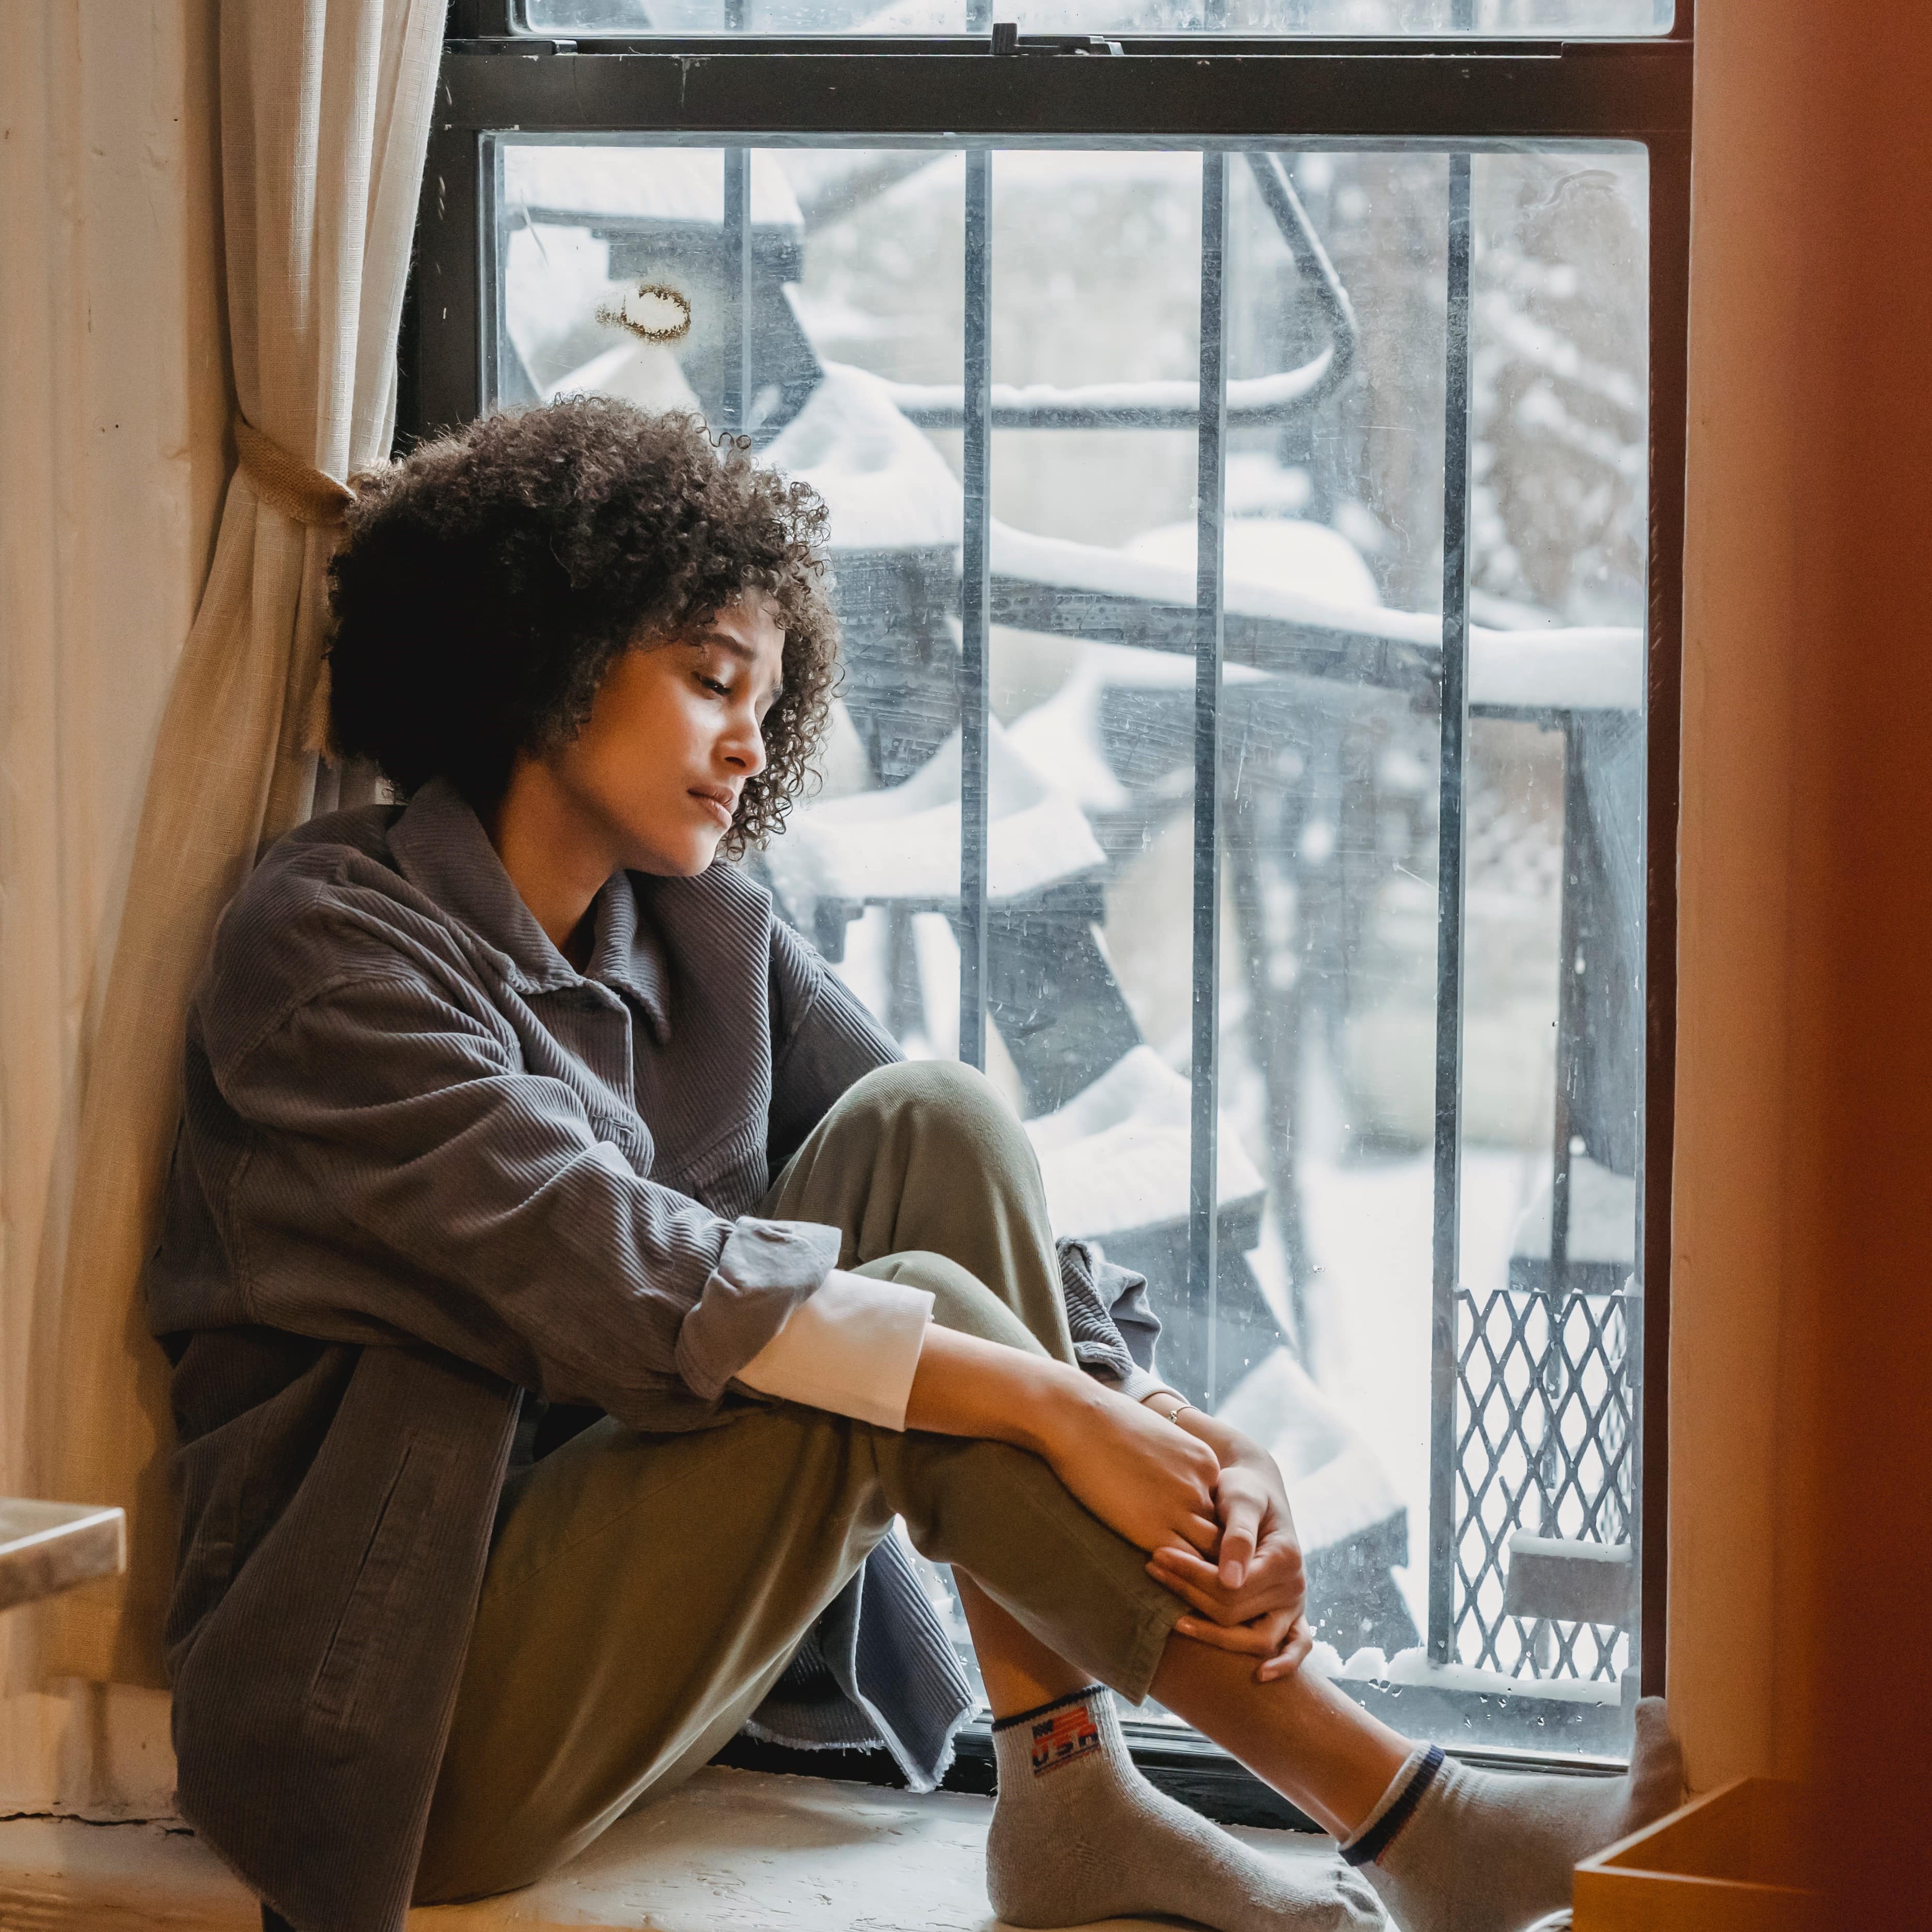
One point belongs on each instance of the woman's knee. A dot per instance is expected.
(939, 1100)
(961, 1301)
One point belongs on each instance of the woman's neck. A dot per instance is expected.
(557, 861)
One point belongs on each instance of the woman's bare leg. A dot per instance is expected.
(1319, 1749)
(1020, 1672)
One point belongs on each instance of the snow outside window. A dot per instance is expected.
(828, 293)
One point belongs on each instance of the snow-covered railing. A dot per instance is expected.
(1064, 589)
(1153, 405)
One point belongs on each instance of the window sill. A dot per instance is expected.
(1585, 1739)
(730, 1849)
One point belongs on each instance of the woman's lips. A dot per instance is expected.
(718, 808)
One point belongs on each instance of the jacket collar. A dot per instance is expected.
(442, 849)
(629, 952)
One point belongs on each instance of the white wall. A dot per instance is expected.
(112, 420)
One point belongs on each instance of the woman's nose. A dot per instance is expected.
(745, 745)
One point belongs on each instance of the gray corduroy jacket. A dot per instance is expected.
(426, 1169)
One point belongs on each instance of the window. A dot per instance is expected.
(1256, 509)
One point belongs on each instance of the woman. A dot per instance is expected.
(567, 1285)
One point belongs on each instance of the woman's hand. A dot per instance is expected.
(1141, 1476)
(1251, 1600)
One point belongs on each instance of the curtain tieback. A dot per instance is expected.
(302, 494)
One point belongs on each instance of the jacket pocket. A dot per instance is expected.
(372, 1645)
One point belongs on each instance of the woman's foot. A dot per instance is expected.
(1078, 1834)
(1453, 1849)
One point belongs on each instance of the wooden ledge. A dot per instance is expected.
(49, 1546)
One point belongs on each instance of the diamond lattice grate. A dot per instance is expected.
(1542, 1421)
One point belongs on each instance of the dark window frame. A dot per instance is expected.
(1206, 91)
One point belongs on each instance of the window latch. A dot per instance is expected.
(1007, 39)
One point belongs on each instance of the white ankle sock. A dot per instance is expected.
(1078, 1834)
(1453, 1849)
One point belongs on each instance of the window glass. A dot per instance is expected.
(1354, 18)
(844, 365)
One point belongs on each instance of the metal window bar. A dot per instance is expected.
(1540, 1644)
(1569, 1002)
(975, 607)
(736, 321)
(1446, 1257)
(1204, 1073)
(976, 591)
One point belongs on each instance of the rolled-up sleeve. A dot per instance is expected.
(853, 1348)
(460, 1201)
(767, 1269)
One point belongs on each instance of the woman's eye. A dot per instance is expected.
(712, 684)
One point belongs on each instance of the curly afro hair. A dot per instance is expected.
(488, 581)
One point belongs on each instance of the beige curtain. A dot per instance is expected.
(113, 437)
(324, 110)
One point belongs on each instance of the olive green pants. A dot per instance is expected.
(646, 1591)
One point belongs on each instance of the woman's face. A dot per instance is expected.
(674, 734)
